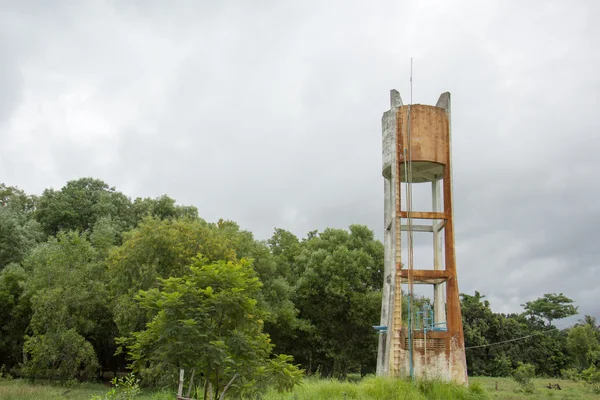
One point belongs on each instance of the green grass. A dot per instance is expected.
(378, 389)
(508, 389)
(19, 389)
(324, 389)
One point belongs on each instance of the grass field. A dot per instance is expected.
(507, 389)
(18, 389)
(313, 389)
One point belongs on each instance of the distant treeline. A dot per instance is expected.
(93, 282)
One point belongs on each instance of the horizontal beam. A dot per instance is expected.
(424, 215)
(424, 228)
(417, 228)
(427, 276)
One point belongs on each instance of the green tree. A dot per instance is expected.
(19, 233)
(490, 346)
(157, 249)
(165, 248)
(15, 198)
(478, 321)
(15, 314)
(162, 207)
(338, 279)
(208, 321)
(583, 346)
(67, 290)
(61, 354)
(79, 205)
(550, 307)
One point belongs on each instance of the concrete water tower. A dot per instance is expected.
(428, 341)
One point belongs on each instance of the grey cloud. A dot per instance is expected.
(269, 113)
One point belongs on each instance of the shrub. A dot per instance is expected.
(62, 355)
(125, 388)
(570, 374)
(523, 375)
(592, 377)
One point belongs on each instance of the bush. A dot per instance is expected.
(523, 375)
(125, 388)
(591, 376)
(477, 389)
(4, 374)
(61, 355)
(570, 374)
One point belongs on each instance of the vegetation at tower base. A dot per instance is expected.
(79, 267)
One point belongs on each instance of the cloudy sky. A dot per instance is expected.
(269, 113)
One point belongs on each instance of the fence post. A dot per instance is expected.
(180, 390)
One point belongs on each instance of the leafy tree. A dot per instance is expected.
(16, 199)
(162, 249)
(157, 249)
(550, 307)
(489, 339)
(162, 207)
(67, 290)
(592, 322)
(208, 321)
(285, 246)
(14, 315)
(583, 346)
(338, 291)
(18, 232)
(478, 321)
(60, 355)
(79, 205)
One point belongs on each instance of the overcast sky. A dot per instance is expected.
(269, 113)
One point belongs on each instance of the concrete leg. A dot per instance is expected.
(439, 309)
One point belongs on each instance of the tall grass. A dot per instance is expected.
(19, 389)
(375, 388)
(371, 388)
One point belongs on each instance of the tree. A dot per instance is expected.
(17, 199)
(15, 314)
(478, 321)
(583, 346)
(79, 204)
(338, 283)
(162, 207)
(61, 354)
(491, 348)
(19, 233)
(165, 248)
(157, 249)
(591, 321)
(208, 321)
(67, 290)
(550, 307)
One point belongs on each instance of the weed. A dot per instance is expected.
(125, 388)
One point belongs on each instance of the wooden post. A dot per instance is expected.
(191, 383)
(180, 389)
(227, 387)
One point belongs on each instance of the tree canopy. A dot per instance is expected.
(93, 283)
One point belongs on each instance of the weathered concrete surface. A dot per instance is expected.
(440, 354)
(388, 123)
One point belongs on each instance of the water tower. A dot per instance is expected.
(427, 341)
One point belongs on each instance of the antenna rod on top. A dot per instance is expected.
(411, 73)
